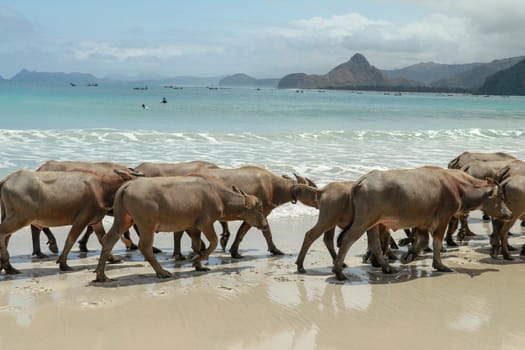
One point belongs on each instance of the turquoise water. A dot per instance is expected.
(327, 136)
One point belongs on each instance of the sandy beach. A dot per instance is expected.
(260, 302)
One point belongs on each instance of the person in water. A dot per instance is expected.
(143, 106)
(164, 100)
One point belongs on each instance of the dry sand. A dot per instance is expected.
(260, 302)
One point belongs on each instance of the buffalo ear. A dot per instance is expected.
(310, 182)
(235, 189)
(286, 177)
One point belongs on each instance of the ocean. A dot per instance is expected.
(324, 135)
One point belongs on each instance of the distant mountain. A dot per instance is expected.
(510, 81)
(47, 77)
(475, 77)
(243, 80)
(428, 72)
(355, 73)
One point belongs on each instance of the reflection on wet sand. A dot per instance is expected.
(260, 302)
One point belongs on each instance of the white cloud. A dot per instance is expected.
(457, 36)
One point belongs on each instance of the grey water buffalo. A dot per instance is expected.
(177, 204)
(481, 170)
(467, 157)
(424, 198)
(514, 193)
(334, 204)
(273, 190)
(516, 167)
(102, 168)
(50, 198)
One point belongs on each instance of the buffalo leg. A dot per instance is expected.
(347, 239)
(500, 238)
(310, 237)
(132, 245)
(82, 243)
(100, 232)
(211, 236)
(267, 233)
(51, 240)
(437, 242)
(146, 248)
(225, 235)
(72, 237)
(35, 237)
(177, 252)
(108, 242)
(7, 227)
(452, 227)
(374, 245)
(241, 232)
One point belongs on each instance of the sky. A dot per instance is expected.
(262, 38)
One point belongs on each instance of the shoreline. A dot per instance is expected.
(260, 301)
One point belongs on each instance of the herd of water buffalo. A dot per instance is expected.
(189, 197)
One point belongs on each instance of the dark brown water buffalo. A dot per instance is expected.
(334, 204)
(423, 198)
(273, 190)
(177, 204)
(467, 157)
(102, 168)
(514, 194)
(50, 198)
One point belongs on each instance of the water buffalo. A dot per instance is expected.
(514, 194)
(334, 204)
(423, 198)
(480, 170)
(516, 167)
(177, 204)
(50, 198)
(179, 169)
(273, 190)
(467, 157)
(102, 168)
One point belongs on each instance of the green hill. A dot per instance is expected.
(510, 81)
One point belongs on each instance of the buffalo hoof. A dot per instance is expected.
(82, 247)
(366, 257)
(507, 257)
(300, 269)
(389, 269)
(522, 253)
(112, 259)
(276, 252)
(39, 255)
(494, 252)
(408, 257)
(64, 267)
(163, 274)
(405, 241)
(156, 250)
(391, 256)
(374, 262)
(202, 268)
(236, 255)
(340, 276)
(441, 268)
(132, 246)
(511, 248)
(451, 243)
(522, 223)
(485, 217)
(393, 244)
(101, 277)
(178, 257)
(10, 270)
(52, 245)
(427, 250)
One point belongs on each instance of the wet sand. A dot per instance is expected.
(260, 302)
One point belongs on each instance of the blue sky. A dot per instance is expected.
(265, 38)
